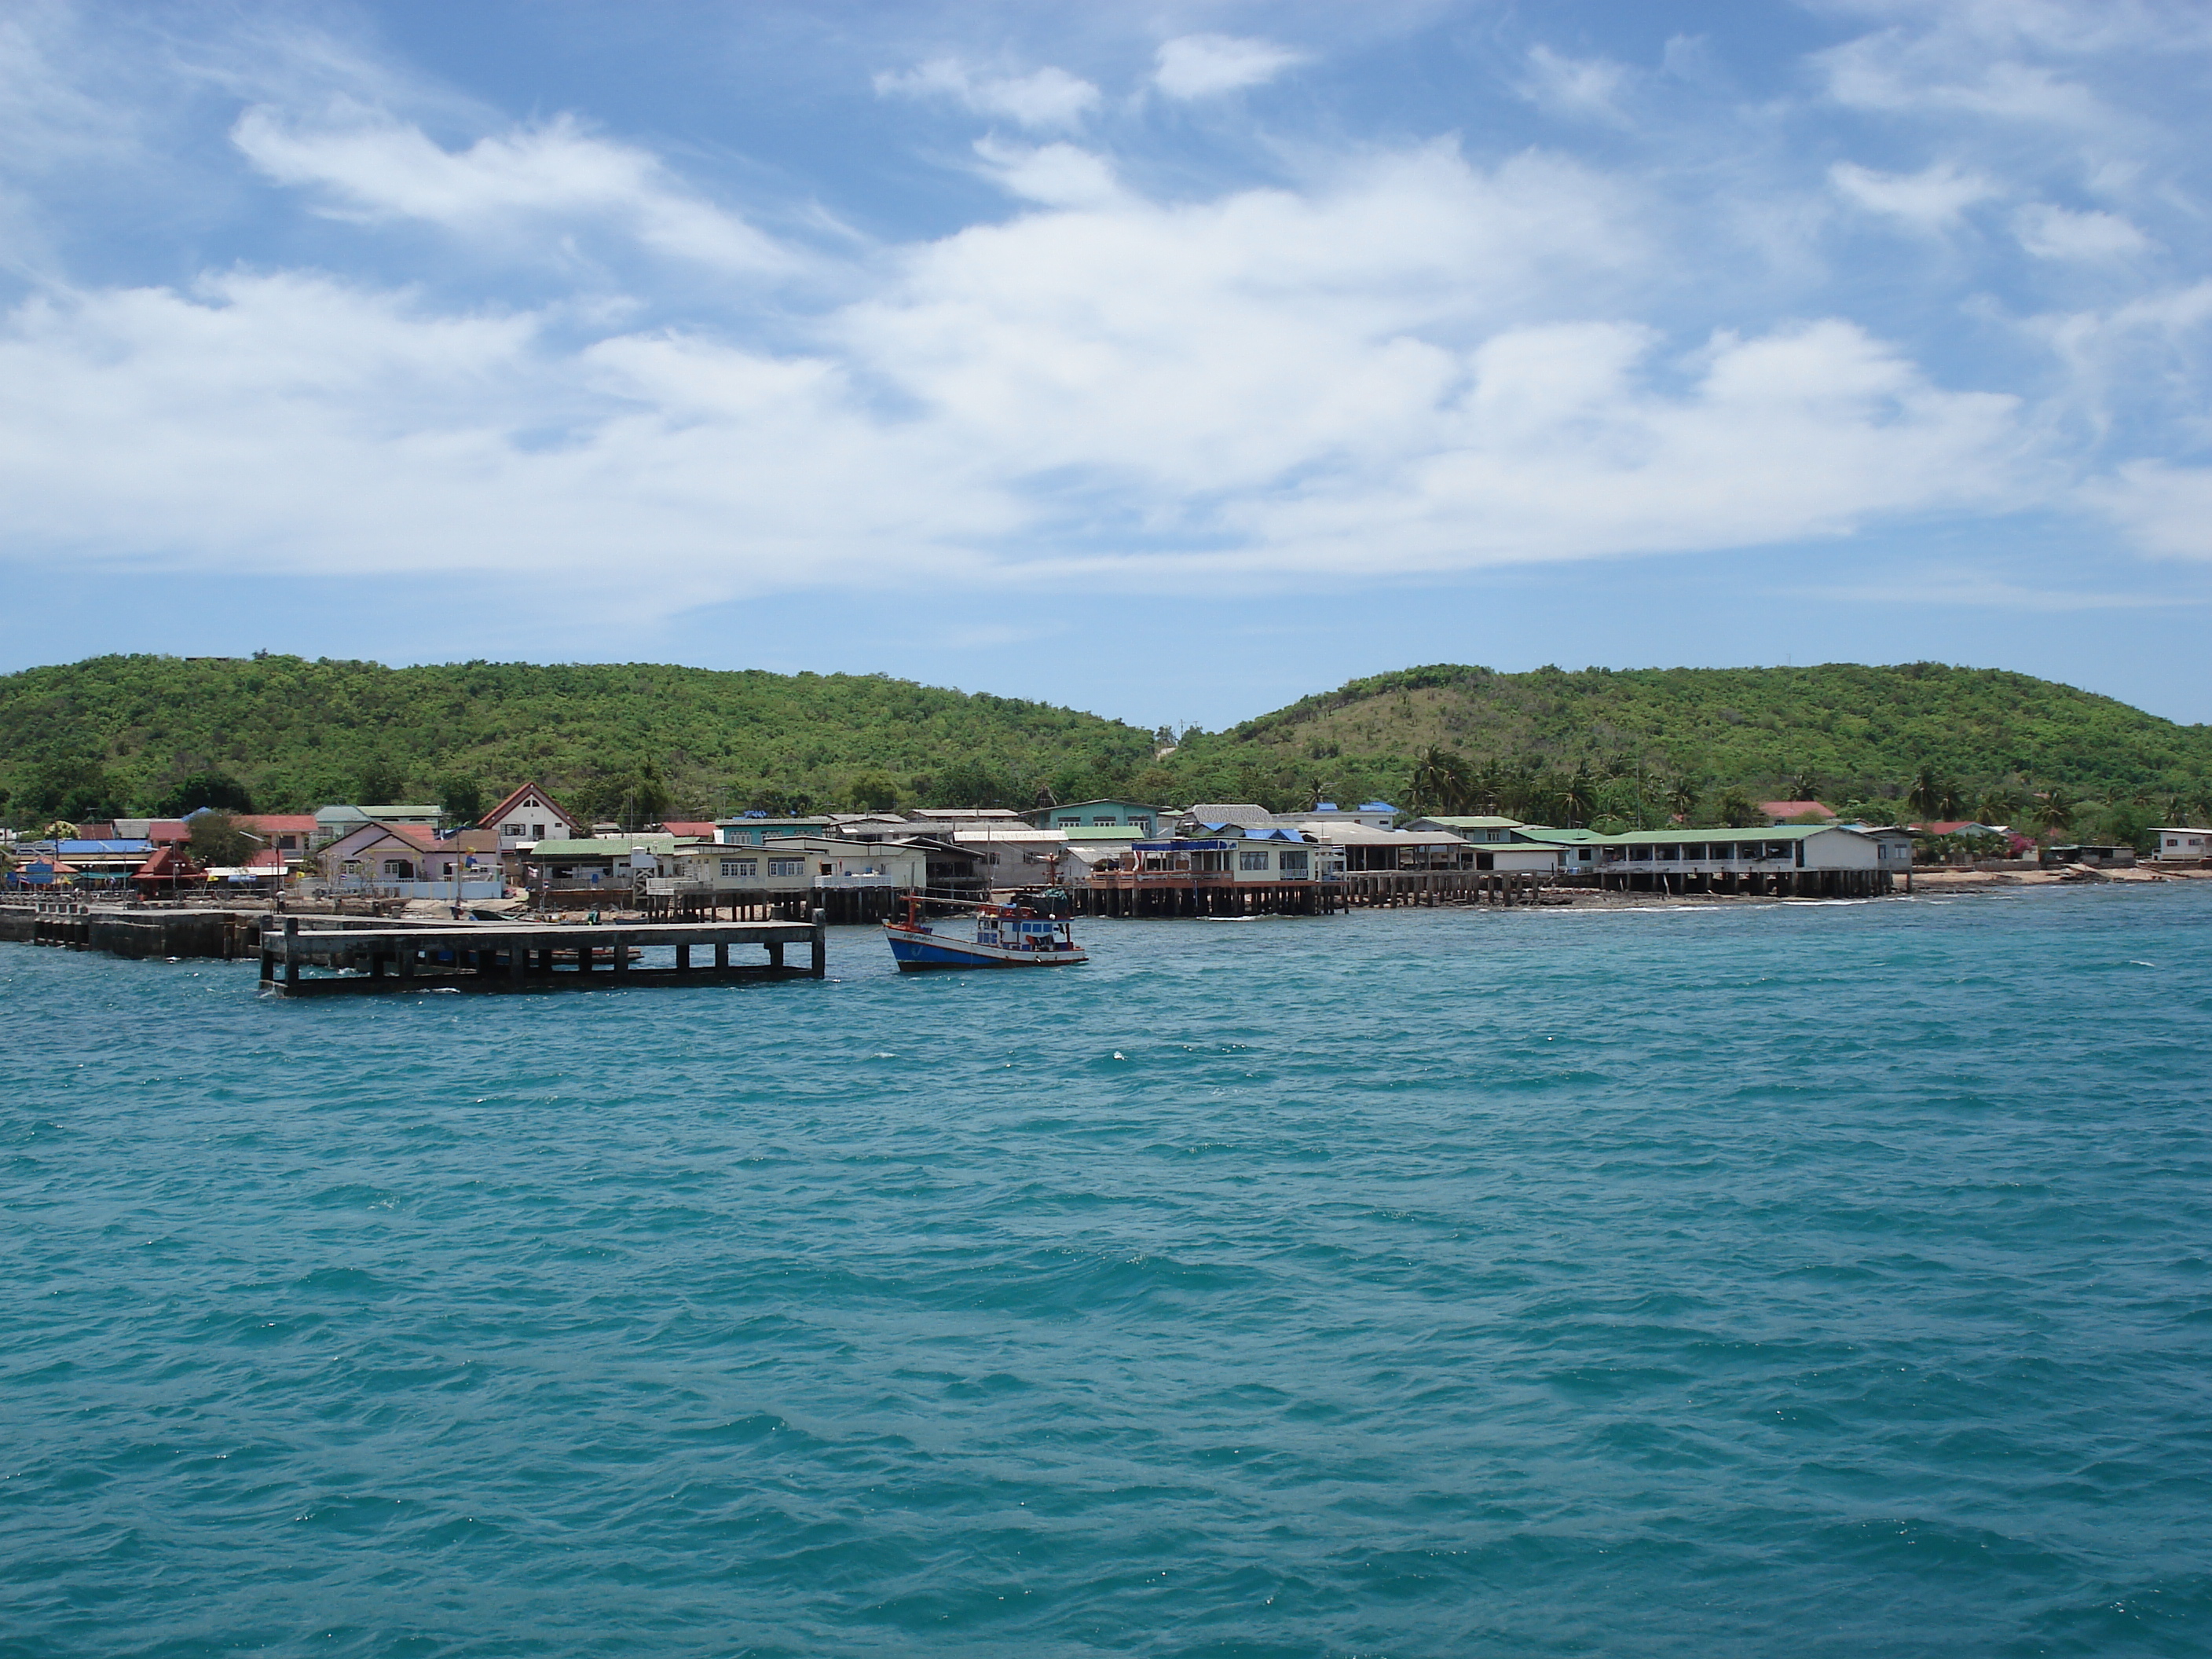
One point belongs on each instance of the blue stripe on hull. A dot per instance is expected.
(912, 953)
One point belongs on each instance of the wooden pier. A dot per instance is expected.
(499, 956)
(1215, 893)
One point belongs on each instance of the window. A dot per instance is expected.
(1777, 849)
(1099, 824)
(515, 829)
(538, 832)
(786, 866)
(1294, 864)
(1252, 861)
(1667, 852)
(743, 869)
(826, 870)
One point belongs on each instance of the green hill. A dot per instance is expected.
(1841, 732)
(142, 733)
(640, 741)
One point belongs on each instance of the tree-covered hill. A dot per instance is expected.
(641, 741)
(1842, 732)
(142, 733)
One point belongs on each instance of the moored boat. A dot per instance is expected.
(986, 936)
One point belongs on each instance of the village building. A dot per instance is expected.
(1795, 812)
(754, 828)
(160, 832)
(1236, 872)
(1369, 848)
(1479, 830)
(2095, 855)
(412, 860)
(1099, 815)
(1011, 853)
(2182, 845)
(109, 862)
(528, 815)
(594, 868)
(1372, 815)
(332, 821)
(291, 836)
(166, 872)
(850, 881)
(1801, 861)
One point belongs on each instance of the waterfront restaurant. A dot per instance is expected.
(1794, 860)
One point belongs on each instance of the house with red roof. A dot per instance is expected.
(530, 815)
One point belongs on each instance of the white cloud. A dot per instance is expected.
(1044, 98)
(371, 167)
(1060, 175)
(1357, 373)
(1203, 65)
(1576, 85)
(1931, 199)
(2166, 509)
(2057, 232)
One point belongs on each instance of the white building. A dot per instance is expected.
(2182, 845)
(788, 863)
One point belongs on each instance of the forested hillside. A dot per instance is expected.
(141, 733)
(641, 741)
(1635, 744)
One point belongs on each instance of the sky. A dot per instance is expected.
(1172, 361)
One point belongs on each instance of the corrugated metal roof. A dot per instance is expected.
(602, 847)
(1673, 837)
(1453, 821)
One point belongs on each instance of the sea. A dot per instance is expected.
(1807, 1279)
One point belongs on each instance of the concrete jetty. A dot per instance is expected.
(528, 957)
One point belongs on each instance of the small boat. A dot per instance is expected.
(988, 936)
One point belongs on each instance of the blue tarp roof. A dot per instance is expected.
(94, 848)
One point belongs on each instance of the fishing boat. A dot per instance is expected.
(985, 936)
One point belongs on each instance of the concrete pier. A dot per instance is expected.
(515, 956)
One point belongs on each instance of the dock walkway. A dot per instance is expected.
(528, 957)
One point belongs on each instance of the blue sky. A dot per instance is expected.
(1171, 360)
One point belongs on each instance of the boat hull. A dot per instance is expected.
(916, 953)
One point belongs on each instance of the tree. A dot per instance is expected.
(218, 838)
(1802, 786)
(1682, 799)
(645, 799)
(1739, 811)
(1933, 796)
(77, 790)
(381, 782)
(2054, 812)
(1998, 804)
(871, 791)
(1577, 796)
(1440, 783)
(217, 789)
(460, 798)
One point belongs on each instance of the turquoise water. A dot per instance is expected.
(1820, 1280)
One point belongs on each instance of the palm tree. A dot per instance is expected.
(1682, 799)
(1932, 796)
(1802, 786)
(2055, 810)
(1577, 796)
(1998, 803)
(1486, 787)
(1439, 781)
